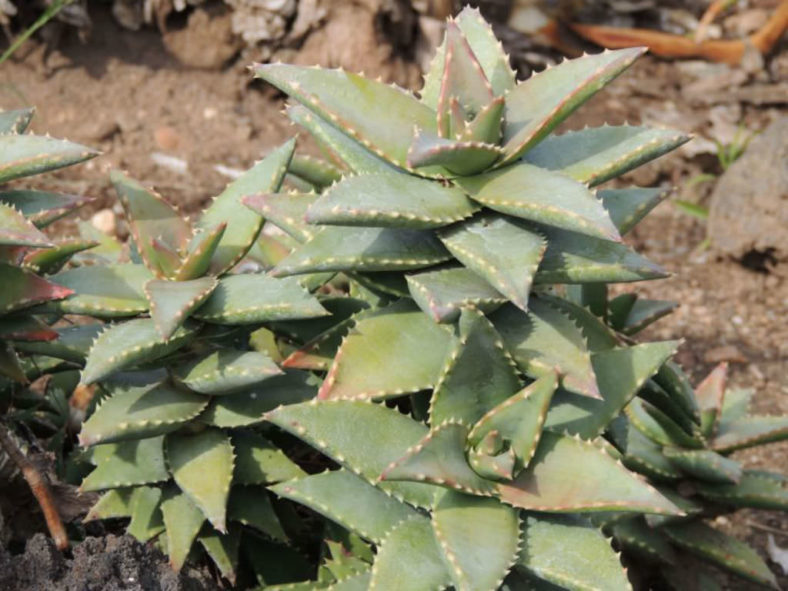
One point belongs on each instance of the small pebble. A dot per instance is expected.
(104, 221)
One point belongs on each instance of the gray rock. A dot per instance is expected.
(749, 206)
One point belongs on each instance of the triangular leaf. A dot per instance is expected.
(135, 412)
(130, 343)
(350, 248)
(705, 464)
(363, 367)
(242, 226)
(104, 291)
(350, 501)
(129, 463)
(468, 389)
(251, 506)
(377, 115)
(535, 107)
(200, 252)
(22, 289)
(544, 340)
(191, 458)
(570, 475)
(255, 298)
(258, 461)
(15, 121)
(412, 543)
(183, 521)
(171, 302)
(439, 458)
(500, 250)
(226, 371)
(379, 436)
(479, 537)
(287, 211)
(458, 157)
(519, 419)
(540, 195)
(26, 155)
(570, 553)
(627, 207)
(441, 294)
(390, 200)
(597, 154)
(17, 230)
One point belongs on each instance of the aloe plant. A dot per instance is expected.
(431, 365)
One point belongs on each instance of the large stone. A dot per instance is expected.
(749, 206)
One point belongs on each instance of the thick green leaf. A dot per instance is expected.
(22, 289)
(704, 464)
(394, 200)
(26, 155)
(620, 373)
(749, 431)
(251, 506)
(350, 501)
(183, 521)
(540, 195)
(543, 341)
(598, 335)
(352, 248)
(500, 250)
(247, 407)
(753, 490)
(645, 312)
(72, 343)
(243, 227)
(570, 553)
(136, 412)
(50, 260)
(439, 458)
(576, 258)
(597, 154)
(42, 207)
(200, 251)
(223, 550)
(379, 436)
(128, 463)
(467, 388)
(441, 294)
(479, 537)
(519, 419)
(710, 395)
(658, 426)
(191, 458)
(410, 558)
(130, 343)
(535, 107)
(146, 518)
(15, 121)
(379, 116)
(258, 461)
(112, 504)
(151, 219)
(171, 302)
(390, 352)
(287, 211)
(17, 230)
(458, 157)
(104, 291)
(252, 299)
(225, 371)
(646, 457)
(627, 207)
(636, 536)
(487, 49)
(569, 475)
(487, 126)
(676, 383)
(721, 550)
(342, 147)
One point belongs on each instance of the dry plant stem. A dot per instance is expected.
(712, 12)
(669, 45)
(40, 488)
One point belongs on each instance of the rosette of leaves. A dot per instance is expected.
(184, 366)
(28, 258)
(478, 410)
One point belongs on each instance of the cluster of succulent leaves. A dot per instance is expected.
(27, 257)
(406, 372)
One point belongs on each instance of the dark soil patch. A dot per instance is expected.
(98, 564)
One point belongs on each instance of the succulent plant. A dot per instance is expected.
(484, 410)
(432, 365)
(33, 388)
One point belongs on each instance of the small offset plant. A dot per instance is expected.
(27, 257)
(430, 388)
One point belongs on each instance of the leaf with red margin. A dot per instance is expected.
(22, 289)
